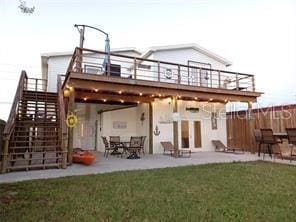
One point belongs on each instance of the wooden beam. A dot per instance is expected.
(150, 128)
(112, 97)
(71, 108)
(175, 128)
(114, 109)
(152, 90)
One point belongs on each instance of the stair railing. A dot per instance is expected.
(22, 85)
(62, 119)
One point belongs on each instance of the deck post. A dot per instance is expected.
(150, 128)
(158, 71)
(253, 83)
(179, 74)
(175, 128)
(71, 108)
(64, 151)
(135, 68)
(5, 156)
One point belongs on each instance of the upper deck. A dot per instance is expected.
(92, 70)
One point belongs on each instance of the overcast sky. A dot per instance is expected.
(259, 37)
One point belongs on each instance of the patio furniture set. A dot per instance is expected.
(134, 147)
(271, 140)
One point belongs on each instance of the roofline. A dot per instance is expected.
(195, 46)
(69, 53)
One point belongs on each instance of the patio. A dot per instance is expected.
(113, 163)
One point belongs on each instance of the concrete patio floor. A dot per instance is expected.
(113, 163)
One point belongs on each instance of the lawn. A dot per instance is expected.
(255, 191)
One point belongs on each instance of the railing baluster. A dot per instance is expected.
(135, 68)
(179, 74)
(236, 80)
(158, 71)
(253, 84)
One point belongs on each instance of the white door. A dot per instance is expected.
(191, 134)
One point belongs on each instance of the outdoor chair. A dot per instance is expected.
(292, 141)
(258, 139)
(107, 146)
(142, 144)
(169, 147)
(270, 141)
(220, 147)
(135, 147)
(114, 141)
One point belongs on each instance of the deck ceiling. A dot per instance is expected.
(89, 87)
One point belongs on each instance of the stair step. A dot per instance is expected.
(34, 147)
(41, 152)
(34, 166)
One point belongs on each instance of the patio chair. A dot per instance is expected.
(135, 147)
(220, 147)
(292, 141)
(114, 141)
(142, 144)
(258, 139)
(107, 146)
(270, 141)
(169, 147)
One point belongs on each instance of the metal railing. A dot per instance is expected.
(100, 63)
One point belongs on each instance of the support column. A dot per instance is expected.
(175, 128)
(5, 156)
(251, 127)
(71, 108)
(150, 128)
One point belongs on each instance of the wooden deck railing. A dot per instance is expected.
(97, 62)
(13, 111)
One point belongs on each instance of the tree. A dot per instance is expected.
(25, 9)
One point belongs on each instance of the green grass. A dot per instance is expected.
(255, 191)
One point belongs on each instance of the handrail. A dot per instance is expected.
(159, 61)
(13, 111)
(69, 69)
(61, 106)
(217, 79)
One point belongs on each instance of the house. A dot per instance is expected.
(171, 93)
(126, 112)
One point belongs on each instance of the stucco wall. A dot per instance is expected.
(162, 117)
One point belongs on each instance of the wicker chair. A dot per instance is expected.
(292, 141)
(269, 140)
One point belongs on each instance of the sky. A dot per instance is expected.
(258, 36)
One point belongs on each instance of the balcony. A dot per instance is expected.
(127, 71)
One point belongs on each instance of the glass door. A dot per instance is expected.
(184, 134)
(197, 134)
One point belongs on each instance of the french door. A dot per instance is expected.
(191, 134)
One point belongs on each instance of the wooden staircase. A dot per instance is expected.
(35, 138)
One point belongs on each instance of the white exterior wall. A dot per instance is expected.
(181, 56)
(162, 112)
(57, 65)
